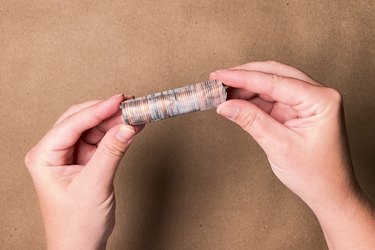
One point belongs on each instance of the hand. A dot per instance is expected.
(299, 124)
(73, 168)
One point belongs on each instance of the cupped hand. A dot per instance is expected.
(73, 167)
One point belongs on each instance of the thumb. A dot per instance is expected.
(103, 165)
(265, 130)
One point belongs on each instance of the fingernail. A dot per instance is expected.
(228, 111)
(127, 97)
(213, 75)
(125, 133)
(116, 96)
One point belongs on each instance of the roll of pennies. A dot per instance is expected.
(174, 102)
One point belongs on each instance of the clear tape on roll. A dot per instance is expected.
(174, 102)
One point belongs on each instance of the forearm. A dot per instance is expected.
(350, 225)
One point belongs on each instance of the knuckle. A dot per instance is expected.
(73, 107)
(272, 62)
(28, 160)
(276, 78)
(334, 96)
(114, 150)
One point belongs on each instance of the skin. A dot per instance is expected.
(297, 121)
(299, 124)
(73, 167)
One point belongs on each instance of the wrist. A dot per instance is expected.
(344, 206)
(341, 214)
(53, 245)
(348, 225)
(62, 241)
(74, 232)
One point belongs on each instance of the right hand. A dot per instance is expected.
(299, 124)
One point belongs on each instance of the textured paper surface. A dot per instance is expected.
(196, 181)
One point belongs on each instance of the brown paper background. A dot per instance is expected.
(192, 182)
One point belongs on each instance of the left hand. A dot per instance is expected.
(73, 167)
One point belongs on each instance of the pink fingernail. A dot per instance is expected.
(116, 96)
(228, 111)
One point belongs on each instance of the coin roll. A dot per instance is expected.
(174, 102)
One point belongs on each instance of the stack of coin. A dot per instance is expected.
(174, 102)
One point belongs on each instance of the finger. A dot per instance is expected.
(78, 107)
(94, 135)
(262, 104)
(101, 169)
(277, 68)
(83, 152)
(262, 127)
(278, 111)
(286, 90)
(234, 93)
(283, 113)
(74, 109)
(66, 133)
